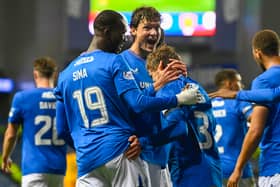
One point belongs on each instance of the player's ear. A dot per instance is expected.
(227, 84)
(35, 74)
(160, 66)
(133, 31)
(257, 53)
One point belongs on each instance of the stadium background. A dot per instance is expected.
(59, 28)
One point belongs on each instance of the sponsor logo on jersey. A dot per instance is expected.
(84, 60)
(218, 103)
(48, 95)
(144, 84)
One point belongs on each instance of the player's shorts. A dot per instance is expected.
(244, 182)
(118, 172)
(269, 181)
(157, 176)
(165, 178)
(42, 180)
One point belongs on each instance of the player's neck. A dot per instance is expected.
(93, 46)
(44, 83)
(271, 61)
(138, 51)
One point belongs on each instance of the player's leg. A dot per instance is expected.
(99, 177)
(165, 180)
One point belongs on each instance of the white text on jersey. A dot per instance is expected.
(47, 105)
(80, 74)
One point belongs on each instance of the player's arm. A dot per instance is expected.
(256, 95)
(140, 103)
(9, 143)
(175, 128)
(128, 90)
(259, 95)
(250, 143)
(62, 125)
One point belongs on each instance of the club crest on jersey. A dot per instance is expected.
(128, 75)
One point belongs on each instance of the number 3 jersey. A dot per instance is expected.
(193, 158)
(42, 151)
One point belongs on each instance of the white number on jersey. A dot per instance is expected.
(49, 124)
(218, 135)
(203, 130)
(98, 105)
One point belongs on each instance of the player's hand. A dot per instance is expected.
(6, 165)
(134, 149)
(234, 179)
(225, 93)
(188, 96)
(178, 65)
(171, 72)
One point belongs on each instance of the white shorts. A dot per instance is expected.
(270, 181)
(119, 172)
(42, 180)
(157, 177)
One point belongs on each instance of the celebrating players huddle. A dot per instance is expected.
(134, 118)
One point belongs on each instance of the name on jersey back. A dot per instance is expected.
(80, 74)
(47, 104)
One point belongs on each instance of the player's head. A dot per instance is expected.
(265, 44)
(109, 29)
(44, 68)
(228, 79)
(162, 54)
(145, 28)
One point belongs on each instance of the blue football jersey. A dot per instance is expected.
(42, 150)
(146, 123)
(194, 158)
(90, 88)
(231, 116)
(270, 144)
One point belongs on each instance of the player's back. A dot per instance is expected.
(98, 120)
(201, 163)
(42, 151)
(231, 116)
(270, 152)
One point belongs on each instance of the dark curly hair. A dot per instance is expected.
(267, 41)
